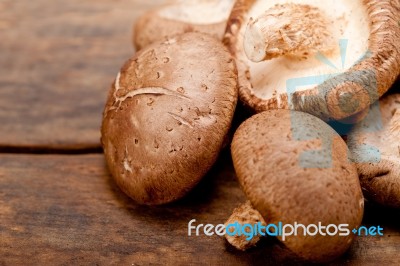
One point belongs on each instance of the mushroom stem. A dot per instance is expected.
(288, 29)
(244, 214)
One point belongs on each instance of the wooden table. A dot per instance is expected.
(58, 204)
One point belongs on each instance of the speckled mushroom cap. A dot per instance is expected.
(351, 75)
(207, 16)
(289, 177)
(375, 144)
(167, 115)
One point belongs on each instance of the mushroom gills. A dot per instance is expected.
(343, 43)
(290, 29)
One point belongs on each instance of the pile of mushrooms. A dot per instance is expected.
(298, 64)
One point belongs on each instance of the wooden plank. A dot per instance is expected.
(57, 61)
(63, 210)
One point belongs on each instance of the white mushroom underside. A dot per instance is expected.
(349, 19)
(200, 12)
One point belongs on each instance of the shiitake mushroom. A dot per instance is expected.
(167, 115)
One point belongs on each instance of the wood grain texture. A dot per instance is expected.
(57, 61)
(63, 210)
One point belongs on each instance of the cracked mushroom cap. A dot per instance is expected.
(167, 115)
(293, 168)
(329, 58)
(375, 147)
(207, 16)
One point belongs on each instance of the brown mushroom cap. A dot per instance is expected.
(372, 30)
(167, 115)
(279, 161)
(207, 16)
(375, 144)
